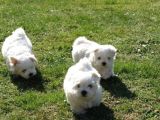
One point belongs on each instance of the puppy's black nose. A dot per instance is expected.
(84, 93)
(30, 74)
(103, 63)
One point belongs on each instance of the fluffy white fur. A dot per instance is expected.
(82, 86)
(101, 56)
(17, 51)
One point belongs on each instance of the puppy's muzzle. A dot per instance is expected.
(84, 93)
(104, 63)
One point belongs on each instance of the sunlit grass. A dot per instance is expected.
(132, 26)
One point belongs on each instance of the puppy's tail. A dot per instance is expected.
(19, 32)
(80, 40)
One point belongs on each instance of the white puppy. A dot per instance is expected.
(101, 56)
(82, 86)
(17, 51)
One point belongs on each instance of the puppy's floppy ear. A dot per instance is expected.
(96, 50)
(33, 58)
(96, 76)
(13, 61)
(112, 50)
(92, 50)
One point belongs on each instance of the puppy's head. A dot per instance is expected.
(23, 66)
(85, 84)
(102, 56)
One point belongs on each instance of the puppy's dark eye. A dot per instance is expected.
(24, 70)
(78, 86)
(99, 58)
(109, 58)
(90, 86)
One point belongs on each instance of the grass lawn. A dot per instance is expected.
(132, 26)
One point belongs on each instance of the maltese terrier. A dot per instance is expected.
(82, 86)
(17, 51)
(100, 56)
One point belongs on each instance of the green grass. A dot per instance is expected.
(132, 26)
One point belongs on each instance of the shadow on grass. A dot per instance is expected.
(35, 82)
(117, 88)
(97, 113)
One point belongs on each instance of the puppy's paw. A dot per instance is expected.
(114, 75)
